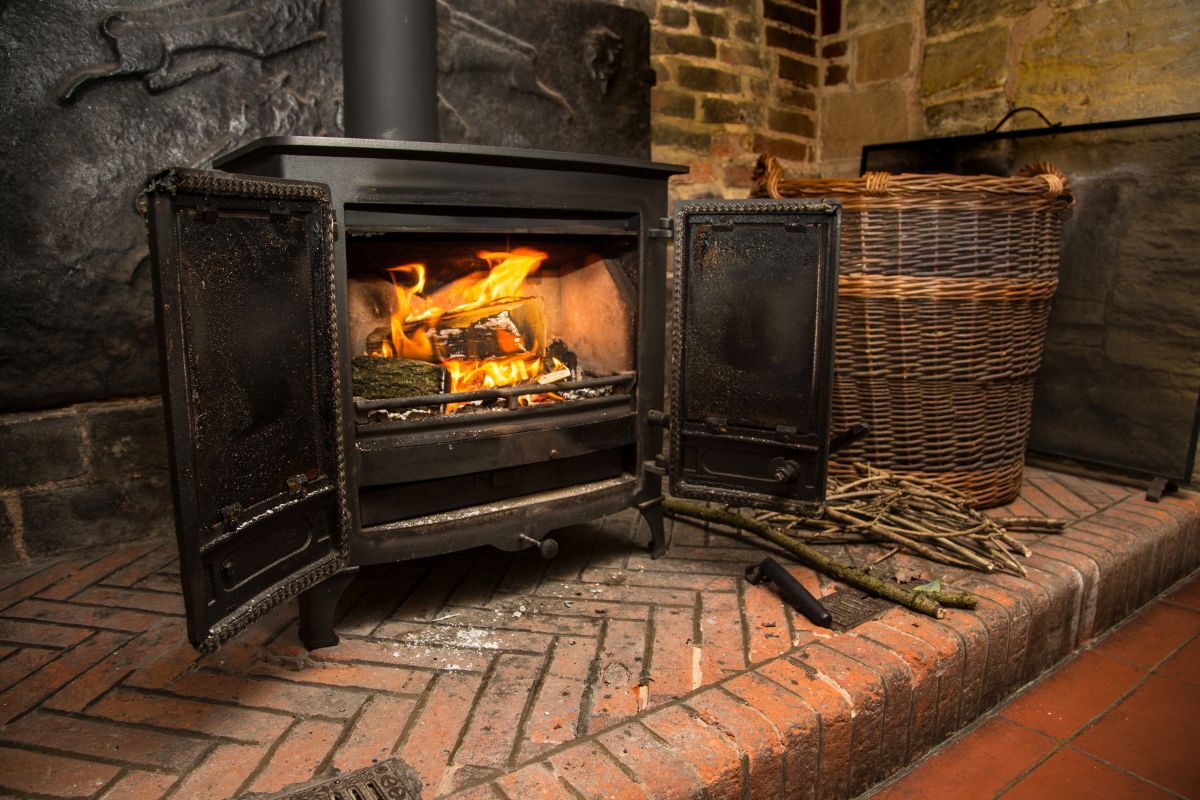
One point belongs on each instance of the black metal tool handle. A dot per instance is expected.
(793, 591)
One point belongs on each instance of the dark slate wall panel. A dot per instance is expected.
(97, 94)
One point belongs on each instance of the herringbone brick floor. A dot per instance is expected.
(466, 666)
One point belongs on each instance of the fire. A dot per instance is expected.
(503, 283)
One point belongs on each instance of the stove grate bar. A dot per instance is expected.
(506, 393)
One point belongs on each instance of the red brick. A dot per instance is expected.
(766, 623)
(375, 733)
(353, 676)
(188, 715)
(719, 569)
(722, 646)
(148, 564)
(405, 655)
(617, 687)
(1111, 576)
(23, 696)
(439, 723)
(493, 730)
(524, 575)
(39, 634)
(297, 757)
(754, 735)
(642, 595)
(453, 635)
(594, 773)
(922, 661)
(1032, 493)
(869, 665)
(270, 694)
(21, 663)
(1090, 578)
(88, 616)
(672, 655)
(138, 599)
(661, 773)
(1085, 489)
(38, 581)
(539, 621)
(535, 780)
(554, 717)
(960, 643)
(670, 580)
(139, 785)
(836, 717)
(796, 724)
(220, 775)
(93, 572)
(487, 792)
(538, 606)
(146, 648)
(694, 741)
(105, 740)
(1063, 496)
(1015, 607)
(58, 776)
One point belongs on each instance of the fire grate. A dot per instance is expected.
(387, 780)
(851, 608)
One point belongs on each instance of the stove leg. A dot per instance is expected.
(317, 608)
(652, 512)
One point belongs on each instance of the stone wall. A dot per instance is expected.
(913, 68)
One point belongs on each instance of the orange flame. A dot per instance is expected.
(413, 317)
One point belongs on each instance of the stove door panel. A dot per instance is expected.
(248, 334)
(755, 294)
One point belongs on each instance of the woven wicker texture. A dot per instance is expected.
(943, 297)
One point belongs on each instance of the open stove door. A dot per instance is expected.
(755, 291)
(244, 297)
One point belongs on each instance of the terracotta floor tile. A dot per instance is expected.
(1187, 595)
(1074, 694)
(976, 766)
(1154, 734)
(1070, 774)
(1153, 635)
(1184, 665)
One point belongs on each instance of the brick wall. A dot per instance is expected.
(898, 69)
(735, 77)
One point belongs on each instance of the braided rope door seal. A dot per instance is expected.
(388, 780)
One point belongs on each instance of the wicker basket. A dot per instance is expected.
(944, 292)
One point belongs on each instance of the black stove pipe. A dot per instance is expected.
(389, 69)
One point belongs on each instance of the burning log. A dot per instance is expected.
(386, 377)
(513, 327)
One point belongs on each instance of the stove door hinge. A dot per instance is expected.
(656, 466)
(665, 229)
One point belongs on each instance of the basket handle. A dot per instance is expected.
(1056, 181)
(767, 174)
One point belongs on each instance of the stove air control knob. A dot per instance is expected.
(547, 547)
(785, 470)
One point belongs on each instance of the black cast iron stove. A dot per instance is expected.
(334, 401)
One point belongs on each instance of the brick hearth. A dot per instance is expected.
(503, 676)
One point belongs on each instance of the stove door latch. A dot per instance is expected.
(665, 229)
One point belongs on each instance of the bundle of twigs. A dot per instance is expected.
(923, 517)
(920, 516)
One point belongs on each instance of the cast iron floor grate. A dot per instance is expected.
(851, 608)
(387, 780)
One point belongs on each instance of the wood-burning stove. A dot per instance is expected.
(274, 273)
(285, 481)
